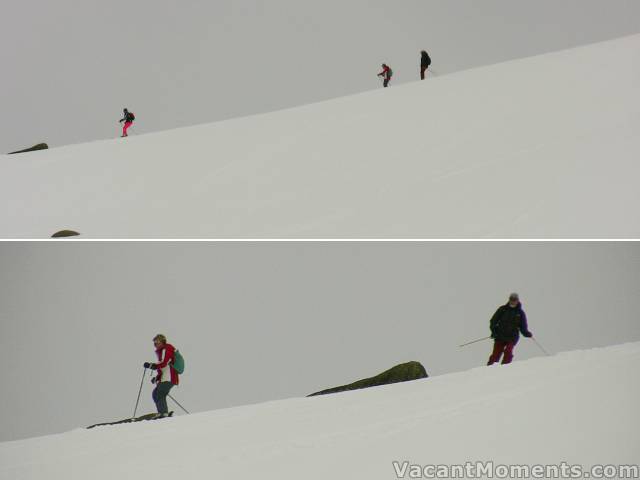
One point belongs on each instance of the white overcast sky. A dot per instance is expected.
(70, 66)
(272, 320)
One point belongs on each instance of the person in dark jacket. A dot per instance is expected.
(506, 325)
(128, 119)
(386, 74)
(425, 61)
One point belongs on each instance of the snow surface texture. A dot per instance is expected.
(544, 147)
(579, 407)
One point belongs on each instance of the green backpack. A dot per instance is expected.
(178, 362)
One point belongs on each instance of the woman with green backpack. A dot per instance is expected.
(170, 366)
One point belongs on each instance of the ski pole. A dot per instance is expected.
(540, 347)
(135, 410)
(177, 403)
(475, 341)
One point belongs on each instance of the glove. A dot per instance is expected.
(154, 380)
(528, 334)
(493, 334)
(153, 366)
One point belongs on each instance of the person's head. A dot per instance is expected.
(423, 52)
(384, 65)
(159, 340)
(126, 110)
(514, 300)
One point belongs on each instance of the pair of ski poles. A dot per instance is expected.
(487, 338)
(135, 410)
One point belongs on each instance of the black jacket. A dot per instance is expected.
(507, 323)
(425, 60)
(128, 117)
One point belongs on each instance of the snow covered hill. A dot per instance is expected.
(544, 147)
(578, 407)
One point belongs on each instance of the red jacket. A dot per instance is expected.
(386, 72)
(166, 372)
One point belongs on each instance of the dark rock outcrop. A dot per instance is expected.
(400, 373)
(65, 233)
(148, 416)
(40, 146)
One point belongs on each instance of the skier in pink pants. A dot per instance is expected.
(128, 119)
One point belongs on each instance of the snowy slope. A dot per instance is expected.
(541, 147)
(579, 407)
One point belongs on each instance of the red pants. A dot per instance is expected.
(125, 128)
(502, 349)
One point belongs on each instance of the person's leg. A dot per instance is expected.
(508, 352)
(154, 395)
(386, 83)
(422, 70)
(498, 348)
(125, 128)
(163, 390)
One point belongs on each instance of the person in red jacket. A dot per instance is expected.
(167, 376)
(386, 74)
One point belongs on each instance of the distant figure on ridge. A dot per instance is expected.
(167, 376)
(128, 119)
(506, 325)
(425, 61)
(386, 74)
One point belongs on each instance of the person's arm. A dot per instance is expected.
(524, 328)
(493, 323)
(166, 358)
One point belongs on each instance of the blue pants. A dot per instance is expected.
(160, 396)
